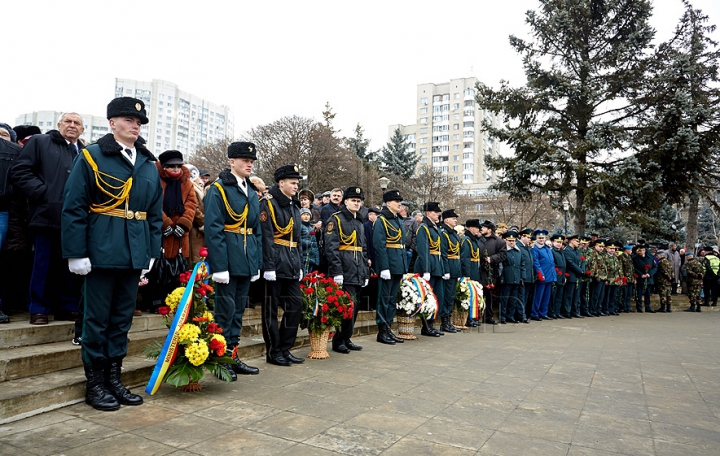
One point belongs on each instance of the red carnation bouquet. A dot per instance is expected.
(325, 304)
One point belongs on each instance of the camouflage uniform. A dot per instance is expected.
(598, 274)
(695, 273)
(664, 279)
(613, 269)
(628, 285)
(584, 284)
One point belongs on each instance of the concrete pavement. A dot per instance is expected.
(637, 384)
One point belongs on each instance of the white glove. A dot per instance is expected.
(426, 277)
(339, 280)
(269, 276)
(302, 276)
(366, 282)
(79, 266)
(221, 277)
(255, 277)
(385, 274)
(145, 271)
(446, 276)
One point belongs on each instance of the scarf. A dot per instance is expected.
(172, 197)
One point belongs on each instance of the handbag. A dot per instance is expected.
(166, 270)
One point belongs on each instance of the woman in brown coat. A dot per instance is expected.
(197, 233)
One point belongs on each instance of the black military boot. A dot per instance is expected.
(388, 331)
(427, 329)
(112, 382)
(691, 309)
(698, 308)
(382, 335)
(338, 345)
(240, 367)
(96, 395)
(446, 326)
(351, 346)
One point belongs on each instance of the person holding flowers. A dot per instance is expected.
(282, 266)
(544, 266)
(346, 255)
(391, 261)
(234, 244)
(492, 252)
(597, 271)
(644, 268)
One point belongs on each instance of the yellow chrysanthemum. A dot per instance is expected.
(188, 331)
(173, 299)
(197, 352)
(208, 315)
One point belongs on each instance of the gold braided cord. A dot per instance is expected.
(397, 233)
(280, 231)
(116, 199)
(474, 254)
(239, 219)
(434, 245)
(453, 249)
(347, 240)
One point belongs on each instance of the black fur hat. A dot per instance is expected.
(353, 192)
(242, 150)
(127, 106)
(286, 172)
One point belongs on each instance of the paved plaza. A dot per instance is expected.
(637, 384)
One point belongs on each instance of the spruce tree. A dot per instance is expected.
(396, 158)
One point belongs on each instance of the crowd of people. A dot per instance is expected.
(109, 219)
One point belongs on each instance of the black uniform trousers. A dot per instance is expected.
(108, 305)
(510, 301)
(348, 324)
(450, 288)
(438, 286)
(230, 302)
(556, 300)
(527, 296)
(710, 291)
(571, 299)
(387, 293)
(279, 339)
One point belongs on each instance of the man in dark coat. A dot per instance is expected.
(528, 274)
(347, 260)
(557, 294)
(575, 271)
(429, 262)
(450, 247)
(644, 267)
(9, 151)
(336, 197)
(282, 266)
(111, 229)
(391, 261)
(470, 257)
(492, 253)
(40, 173)
(511, 279)
(234, 241)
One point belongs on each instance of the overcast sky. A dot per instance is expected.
(267, 59)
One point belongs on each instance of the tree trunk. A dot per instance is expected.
(692, 224)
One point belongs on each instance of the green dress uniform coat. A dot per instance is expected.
(389, 243)
(235, 251)
(576, 271)
(350, 262)
(470, 257)
(450, 252)
(118, 246)
(429, 257)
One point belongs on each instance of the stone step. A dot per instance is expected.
(31, 395)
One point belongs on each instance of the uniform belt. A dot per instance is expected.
(394, 246)
(239, 230)
(453, 257)
(475, 260)
(129, 215)
(434, 253)
(286, 243)
(351, 248)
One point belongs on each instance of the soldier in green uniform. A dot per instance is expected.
(695, 274)
(111, 231)
(234, 241)
(470, 257)
(585, 281)
(597, 271)
(614, 274)
(557, 295)
(450, 248)
(628, 286)
(391, 261)
(664, 279)
(575, 273)
(429, 263)
(347, 260)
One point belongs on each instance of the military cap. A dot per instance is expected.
(660, 252)
(708, 248)
(540, 232)
(171, 157)
(327, 193)
(574, 236)
(306, 193)
(514, 228)
(526, 232)
(689, 254)
(594, 234)
(628, 247)
(374, 209)
(353, 192)
(127, 107)
(431, 206)
(318, 196)
(599, 242)
(204, 173)
(488, 224)
(286, 172)
(391, 195)
(502, 225)
(472, 223)
(639, 247)
(450, 213)
(405, 203)
(242, 149)
(584, 239)
(23, 131)
(613, 245)
(510, 235)
(557, 238)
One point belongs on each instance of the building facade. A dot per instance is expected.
(178, 120)
(447, 134)
(95, 126)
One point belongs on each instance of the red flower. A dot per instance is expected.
(635, 275)
(588, 272)
(373, 276)
(341, 308)
(203, 252)
(323, 319)
(164, 310)
(313, 280)
(647, 266)
(302, 286)
(567, 274)
(339, 292)
(309, 290)
(212, 328)
(215, 344)
(582, 258)
(325, 308)
(202, 291)
(185, 276)
(329, 289)
(312, 233)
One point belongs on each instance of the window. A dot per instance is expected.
(456, 146)
(423, 160)
(423, 140)
(456, 126)
(455, 179)
(423, 101)
(457, 95)
(469, 103)
(437, 108)
(468, 166)
(436, 159)
(467, 155)
(437, 98)
(469, 124)
(410, 137)
(423, 150)
(456, 168)
(479, 207)
(456, 106)
(456, 116)
(423, 130)
(456, 137)
(470, 91)
(423, 110)
(423, 120)
(468, 145)
(468, 134)
(456, 158)
(160, 103)
(446, 97)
